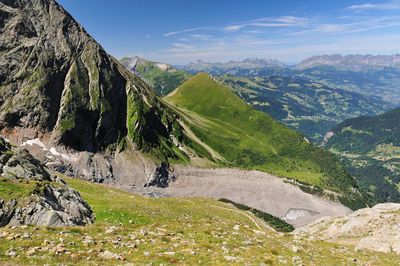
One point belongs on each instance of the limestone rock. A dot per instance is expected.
(376, 228)
(51, 203)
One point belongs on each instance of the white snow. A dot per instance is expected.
(54, 151)
(293, 214)
(32, 142)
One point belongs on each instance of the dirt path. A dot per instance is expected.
(242, 213)
(237, 211)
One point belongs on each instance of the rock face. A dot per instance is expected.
(50, 203)
(20, 164)
(54, 206)
(57, 82)
(161, 177)
(375, 228)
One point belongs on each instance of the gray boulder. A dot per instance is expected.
(61, 206)
(50, 203)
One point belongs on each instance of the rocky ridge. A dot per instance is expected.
(59, 85)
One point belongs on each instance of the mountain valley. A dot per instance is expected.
(131, 161)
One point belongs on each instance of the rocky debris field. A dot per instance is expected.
(376, 228)
(256, 189)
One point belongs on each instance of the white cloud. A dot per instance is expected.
(393, 5)
(183, 31)
(285, 21)
(234, 27)
(286, 38)
(200, 36)
(278, 49)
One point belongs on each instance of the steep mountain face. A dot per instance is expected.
(302, 104)
(32, 196)
(58, 83)
(370, 147)
(237, 135)
(247, 67)
(164, 78)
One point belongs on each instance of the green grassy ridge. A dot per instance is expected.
(251, 139)
(163, 82)
(198, 232)
(273, 221)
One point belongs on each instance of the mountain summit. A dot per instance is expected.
(59, 84)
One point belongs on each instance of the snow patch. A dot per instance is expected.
(163, 67)
(293, 214)
(65, 156)
(32, 142)
(54, 151)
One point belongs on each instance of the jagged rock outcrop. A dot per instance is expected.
(20, 164)
(57, 82)
(50, 202)
(375, 228)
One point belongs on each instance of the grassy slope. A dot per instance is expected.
(308, 107)
(199, 231)
(14, 190)
(370, 147)
(251, 139)
(163, 82)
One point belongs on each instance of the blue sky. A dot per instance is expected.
(182, 31)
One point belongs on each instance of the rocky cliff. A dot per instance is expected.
(57, 83)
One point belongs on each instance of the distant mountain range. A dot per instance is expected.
(343, 62)
(370, 75)
(351, 62)
(232, 67)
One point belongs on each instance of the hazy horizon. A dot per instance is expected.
(179, 32)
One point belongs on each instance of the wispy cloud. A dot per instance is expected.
(259, 25)
(171, 33)
(272, 22)
(268, 22)
(393, 5)
(288, 38)
(200, 36)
